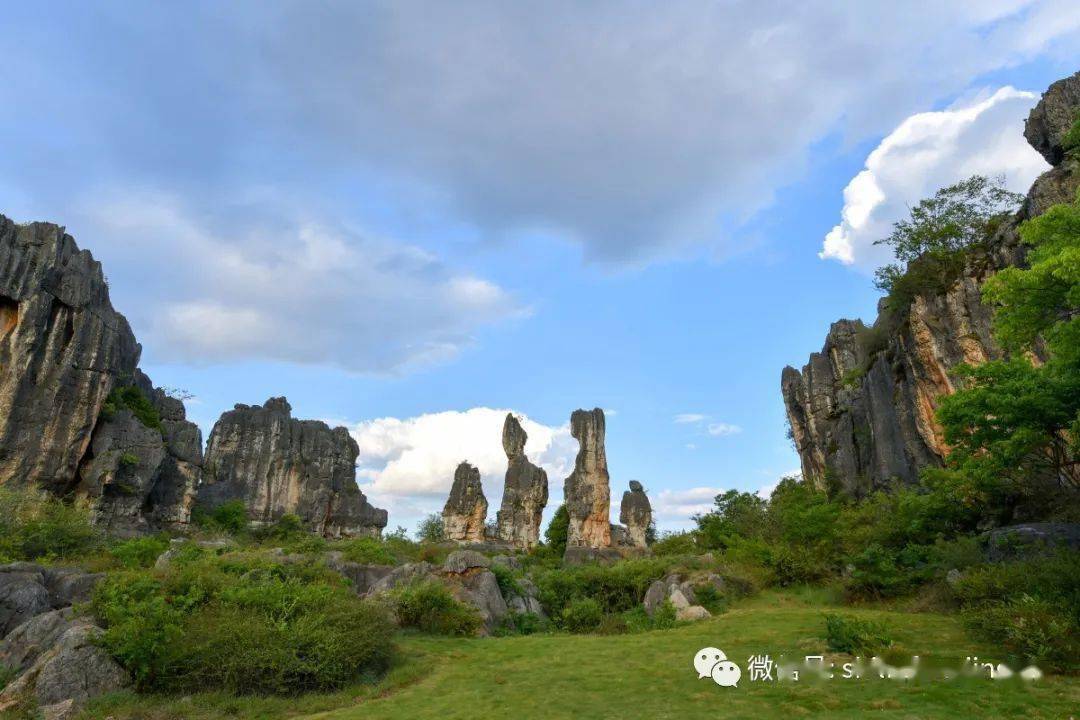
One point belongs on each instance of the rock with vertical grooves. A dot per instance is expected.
(278, 465)
(525, 492)
(587, 490)
(466, 509)
(863, 411)
(636, 514)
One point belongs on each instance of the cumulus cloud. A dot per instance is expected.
(688, 418)
(285, 288)
(673, 509)
(927, 151)
(408, 464)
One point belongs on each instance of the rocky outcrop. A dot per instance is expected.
(63, 350)
(278, 465)
(588, 494)
(635, 514)
(525, 492)
(681, 595)
(862, 411)
(465, 511)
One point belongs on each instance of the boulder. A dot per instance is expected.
(466, 509)
(1031, 540)
(691, 613)
(403, 575)
(587, 489)
(461, 561)
(361, 576)
(68, 586)
(278, 465)
(22, 596)
(1052, 117)
(525, 491)
(636, 514)
(526, 599)
(680, 593)
(21, 647)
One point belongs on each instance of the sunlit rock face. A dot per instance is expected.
(635, 514)
(588, 495)
(862, 411)
(466, 508)
(525, 492)
(63, 348)
(279, 465)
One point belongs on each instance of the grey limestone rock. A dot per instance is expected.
(525, 492)
(466, 507)
(635, 514)
(587, 490)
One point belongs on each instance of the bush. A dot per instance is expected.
(558, 530)
(429, 607)
(516, 623)
(129, 397)
(616, 587)
(139, 552)
(369, 551)
(508, 584)
(1033, 629)
(581, 616)
(230, 517)
(612, 624)
(240, 625)
(34, 524)
(675, 543)
(851, 635)
(431, 529)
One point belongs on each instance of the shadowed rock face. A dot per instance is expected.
(862, 411)
(588, 495)
(635, 514)
(525, 493)
(279, 465)
(63, 348)
(466, 508)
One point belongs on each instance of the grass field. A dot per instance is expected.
(650, 675)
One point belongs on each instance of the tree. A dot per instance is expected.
(558, 530)
(431, 529)
(736, 515)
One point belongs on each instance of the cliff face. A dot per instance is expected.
(63, 349)
(278, 465)
(587, 490)
(862, 410)
(525, 492)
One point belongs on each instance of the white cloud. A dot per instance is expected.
(407, 465)
(673, 509)
(927, 151)
(720, 429)
(283, 288)
(685, 418)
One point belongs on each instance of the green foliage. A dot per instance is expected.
(429, 607)
(130, 397)
(1070, 141)
(558, 530)
(851, 635)
(615, 588)
(675, 543)
(35, 524)
(241, 625)
(737, 515)
(369, 551)
(128, 460)
(431, 529)
(581, 615)
(229, 517)
(517, 623)
(139, 552)
(932, 243)
(508, 584)
(1031, 628)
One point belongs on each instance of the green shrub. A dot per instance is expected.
(517, 623)
(128, 460)
(581, 615)
(508, 584)
(240, 624)
(230, 517)
(1070, 141)
(369, 551)
(612, 624)
(139, 552)
(129, 397)
(1036, 630)
(675, 543)
(851, 635)
(617, 587)
(431, 529)
(558, 530)
(710, 598)
(429, 607)
(35, 524)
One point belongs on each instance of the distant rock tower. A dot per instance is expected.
(588, 494)
(466, 508)
(525, 493)
(636, 514)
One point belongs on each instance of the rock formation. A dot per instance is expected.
(588, 495)
(63, 350)
(279, 465)
(862, 410)
(525, 492)
(635, 514)
(466, 508)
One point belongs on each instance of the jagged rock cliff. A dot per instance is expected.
(587, 490)
(63, 349)
(525, 492)
(635, 514)
(466, 508)
(279, 465)
(862, 410)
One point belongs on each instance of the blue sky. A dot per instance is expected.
(408, 216)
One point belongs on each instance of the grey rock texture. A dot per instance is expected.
(63, 348)
(525, 492)
(22, 596)
(1052, 118)
(279, 465)
(1031, 540)
(680, 593)
(22, 646)
(587, 490)
(466, 508)
(862, 411)
(635, 514)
